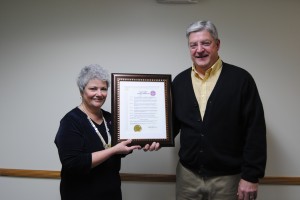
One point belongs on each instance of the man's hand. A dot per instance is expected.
(247, 190)
(154, 147)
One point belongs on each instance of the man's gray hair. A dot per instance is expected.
(203, 25)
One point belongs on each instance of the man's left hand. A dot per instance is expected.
(247, 190)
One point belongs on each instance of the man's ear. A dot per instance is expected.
(218, 42)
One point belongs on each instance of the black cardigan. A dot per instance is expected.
(231, 138)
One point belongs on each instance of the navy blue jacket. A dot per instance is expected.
(76, 139)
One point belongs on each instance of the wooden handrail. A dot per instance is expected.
(135, 177)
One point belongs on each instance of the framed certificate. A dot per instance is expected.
(141, 108)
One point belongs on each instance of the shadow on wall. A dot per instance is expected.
(278, 158)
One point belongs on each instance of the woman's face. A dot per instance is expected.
(94, 94)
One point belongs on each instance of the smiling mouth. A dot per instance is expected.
(201, 56)
(100, 100)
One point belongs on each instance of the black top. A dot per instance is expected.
(76, 139)
(231, 138)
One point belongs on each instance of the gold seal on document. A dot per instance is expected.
(137, 128)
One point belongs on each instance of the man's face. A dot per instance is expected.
(203, 49)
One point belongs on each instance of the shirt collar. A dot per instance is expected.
(211, 71)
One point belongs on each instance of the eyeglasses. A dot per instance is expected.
(195, 45)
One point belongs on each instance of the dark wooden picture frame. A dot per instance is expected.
(146, 85)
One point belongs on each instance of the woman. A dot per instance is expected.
(90, 166)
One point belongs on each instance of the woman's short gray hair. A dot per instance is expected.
(91, 72)
(203, 25)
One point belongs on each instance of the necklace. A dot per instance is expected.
(105, 145)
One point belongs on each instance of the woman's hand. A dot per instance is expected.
(123, 148)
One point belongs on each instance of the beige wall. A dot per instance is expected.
(44, 44)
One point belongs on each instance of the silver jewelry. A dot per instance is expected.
(105, 145)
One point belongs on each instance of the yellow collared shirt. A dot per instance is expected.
(204, 84)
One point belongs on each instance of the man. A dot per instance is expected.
(219, 114)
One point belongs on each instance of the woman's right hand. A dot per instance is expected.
(120, 148)
(123, 148)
